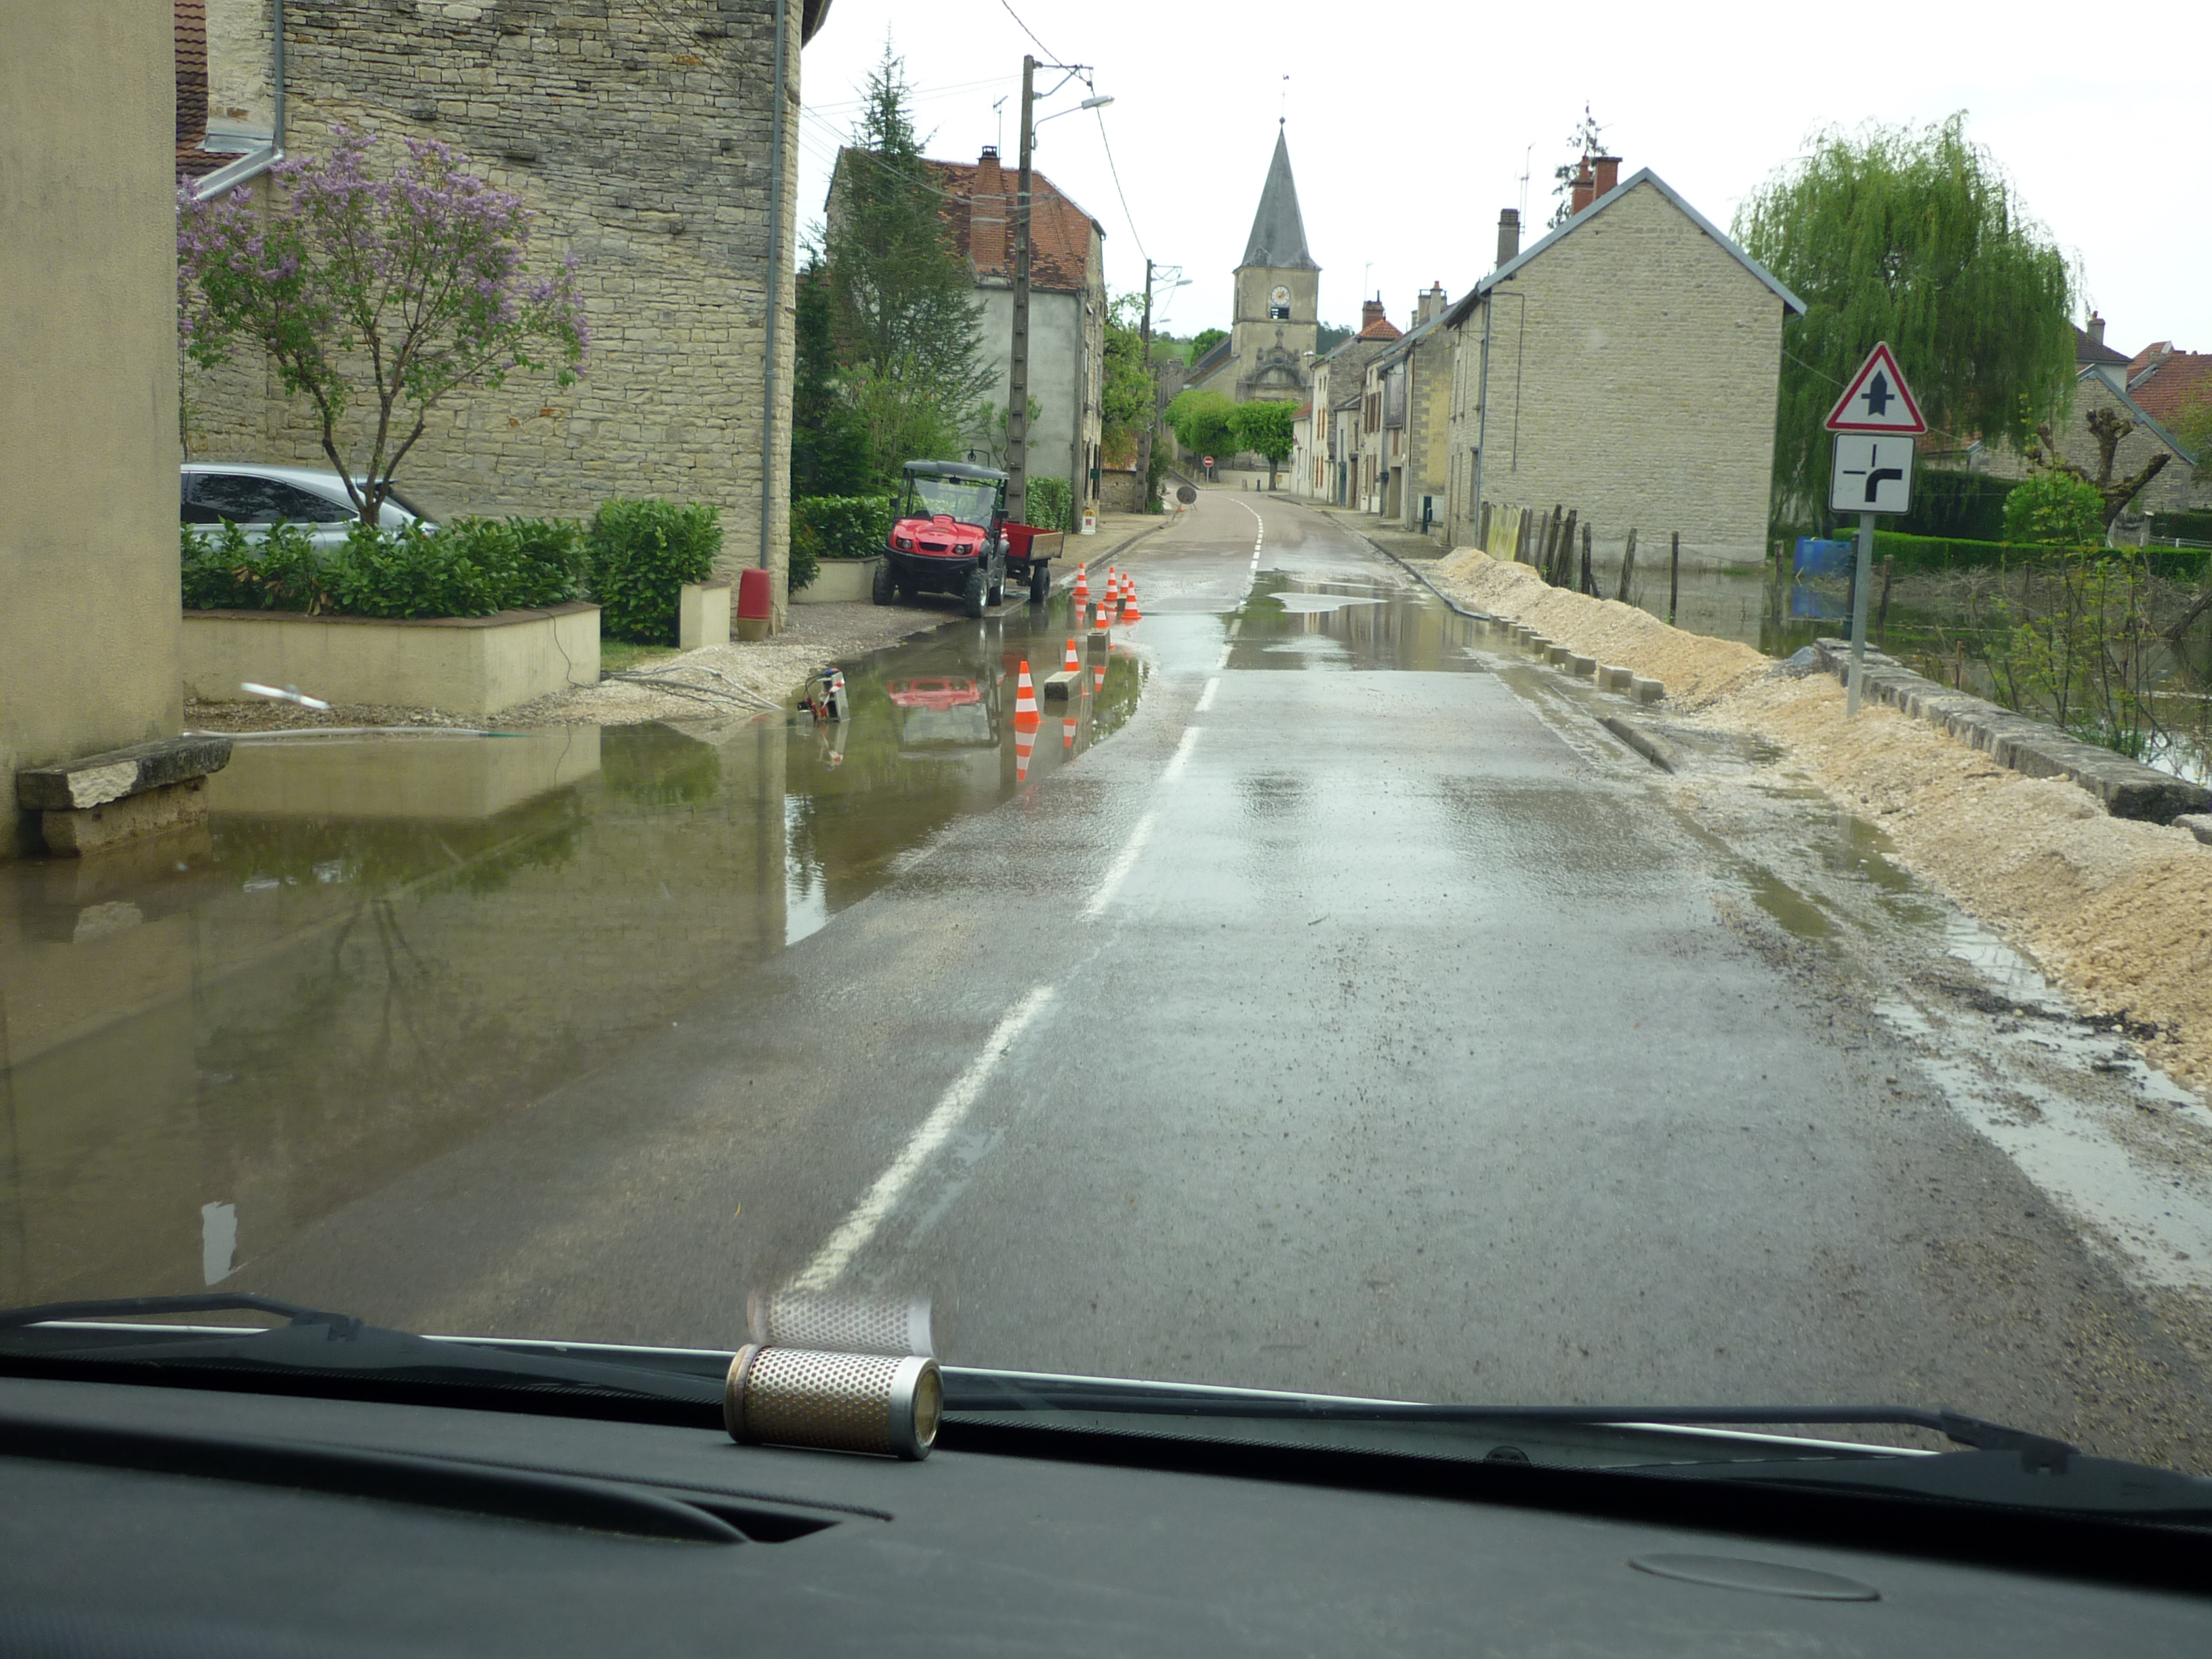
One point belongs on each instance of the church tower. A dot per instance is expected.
(1277, 314)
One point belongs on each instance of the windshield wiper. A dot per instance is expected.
(314, 1339)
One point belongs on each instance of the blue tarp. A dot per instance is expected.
(1817, 557)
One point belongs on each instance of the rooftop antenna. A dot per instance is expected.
(1527, 157)
(998, 109)
(1283, 115)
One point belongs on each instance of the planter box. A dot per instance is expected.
(471, 665)
(840, 581)
(702, 614)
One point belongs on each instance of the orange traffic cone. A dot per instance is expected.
(1024, 746)
(1082, 590)
(1074, 663)
(1098, 675)
(1026, 718)
(1129, 612)
(1068, 735)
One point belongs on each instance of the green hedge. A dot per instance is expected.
(638, 554)
(1050, 504)
(470, 567)
(1962, 506)
(2195, 526)
(1951, 553)
(840, 527)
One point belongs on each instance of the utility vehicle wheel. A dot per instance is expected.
(886, 586)
(971, 596)
(1040, 583)
(997, 595)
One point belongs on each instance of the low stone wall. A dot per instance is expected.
(839, 582)
(471, 665)
(2128, 788)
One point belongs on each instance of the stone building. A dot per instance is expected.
(643, 134)
(1276, 325)
(1067, 312)
(1626, 365)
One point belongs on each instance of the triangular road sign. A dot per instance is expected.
(1878, 399)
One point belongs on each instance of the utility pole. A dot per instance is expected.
(1018, 360)
(1151, 398)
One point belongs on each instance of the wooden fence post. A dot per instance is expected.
(1675, 573)
(1627, 565)
(1888, 570)
(1589, 584)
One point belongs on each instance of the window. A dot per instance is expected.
(211, 497)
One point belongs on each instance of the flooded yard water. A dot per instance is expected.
(377, 945)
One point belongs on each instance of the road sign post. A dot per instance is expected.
(1875, 423)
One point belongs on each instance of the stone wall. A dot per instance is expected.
(1634, 367)
(2169, 492)
(640, 135)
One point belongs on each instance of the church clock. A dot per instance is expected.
(1279, 305)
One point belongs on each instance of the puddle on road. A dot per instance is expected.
(377, 946)
(1290, 621)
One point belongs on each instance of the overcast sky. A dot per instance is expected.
(1410, 126)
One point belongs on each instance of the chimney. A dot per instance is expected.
(1585, 189)
(990, 228)
(1509, 236)
(1371, 313)
(1429, 304)
(1609, 174)
(2096, 330)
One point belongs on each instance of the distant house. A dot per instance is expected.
(2153, 390)
(1627, 365)
(1067, 312)
(1404, 451)
(1331, 473)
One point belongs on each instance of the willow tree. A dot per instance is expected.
(1915, 237)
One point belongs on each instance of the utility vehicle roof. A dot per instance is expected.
(956, 470)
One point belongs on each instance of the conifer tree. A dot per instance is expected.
(903, 311)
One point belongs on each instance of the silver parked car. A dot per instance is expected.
(255, 497)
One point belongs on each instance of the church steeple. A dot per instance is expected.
(1277, 241)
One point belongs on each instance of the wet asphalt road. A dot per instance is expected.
(1333, 1026)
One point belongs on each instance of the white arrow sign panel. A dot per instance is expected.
(1873, 475)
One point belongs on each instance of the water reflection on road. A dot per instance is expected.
(377, 946)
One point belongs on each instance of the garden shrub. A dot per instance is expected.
(639, 554)
(2052, 509)
(282, 572)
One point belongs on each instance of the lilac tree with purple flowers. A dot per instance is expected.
(395, 292)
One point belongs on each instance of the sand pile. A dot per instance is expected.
(1696, 669)
(2118, 912)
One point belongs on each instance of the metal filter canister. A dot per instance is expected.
(860, 1402)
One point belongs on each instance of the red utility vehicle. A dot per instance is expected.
(952, 536)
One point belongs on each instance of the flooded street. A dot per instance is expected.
(1320, 996)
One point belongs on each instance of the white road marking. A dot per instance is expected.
(853, 1233)
(1206, 697)
(1120, 871)
(1182, 755)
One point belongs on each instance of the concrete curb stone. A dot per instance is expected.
(2034, 747)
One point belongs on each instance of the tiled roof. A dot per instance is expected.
(192, 54)
(2087, 350)
(1061, 231)
(2168, 387)
(1381, 329)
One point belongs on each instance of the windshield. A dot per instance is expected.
(967, 501)
(1389, 895)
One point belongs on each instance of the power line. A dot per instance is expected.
(1049, 53)
(1128, 217)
